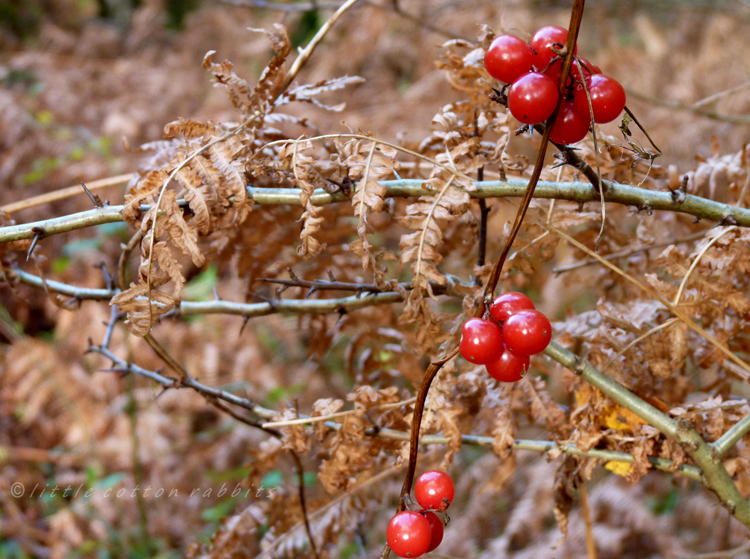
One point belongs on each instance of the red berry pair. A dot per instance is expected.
(505, 351)
(533, 72)
(411, 533)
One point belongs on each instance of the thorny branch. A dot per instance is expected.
(705, 455)
(639, 198)
(166, 382)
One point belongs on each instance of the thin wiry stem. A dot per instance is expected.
(67, 192)
(676, 105)
(672, 308)
(684, 281)
(630, 252)
(728, 554)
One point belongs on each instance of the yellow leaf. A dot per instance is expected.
(618, 467)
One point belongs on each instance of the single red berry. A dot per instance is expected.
(509, 303)
(571, 126)
(533, 98)
(510, 367)
(409, 534)
(527, 332)
(437, 528)
(607, 98)
(508, 58)
(434, 489)
(542, 42)
(481, 341)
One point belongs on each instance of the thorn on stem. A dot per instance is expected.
(93, 197)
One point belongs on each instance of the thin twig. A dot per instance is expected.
(586, 513)
(684, 281)
(596, 154)
(676, 105)
(630, 252)
(305, 55)
(67, 192)
(122, 263)
(728, 554)
(319, 418)
(295, 457)
(624, 350)
(673, 309)
(484, 212)
(391, 434)
(313, 6)
(717, 96)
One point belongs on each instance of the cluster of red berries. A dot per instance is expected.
(412, 533)
(503, 343)
(533, 70)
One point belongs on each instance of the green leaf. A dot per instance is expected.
(272, 479)
(110, 481)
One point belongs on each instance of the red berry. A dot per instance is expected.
(607, 98)
(554, 71)
(509, 303)
(434, 489)
(409, 534)
(527, 332)
(437, 528)
(542, 42)
(481, 341)
(510, 367)
(570, 126)
(533, 98)
(508, 58)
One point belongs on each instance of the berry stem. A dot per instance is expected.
(570, 44)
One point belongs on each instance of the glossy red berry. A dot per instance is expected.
(437, 529)
(571, 126)
(533, 98)
(481, 341)
(542, 42)
(510, 367)
(607, 98)
(409, 534)
(434, 490)
(575, 74)
(508, 58)
(509, 303)
(527, 332)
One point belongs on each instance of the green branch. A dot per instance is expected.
(732, 436)
(617, 193)
(705, 455)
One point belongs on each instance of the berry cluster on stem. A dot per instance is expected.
(413, 533)
(503, 342)
(531, 72)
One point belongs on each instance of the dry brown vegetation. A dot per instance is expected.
(163, 373)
